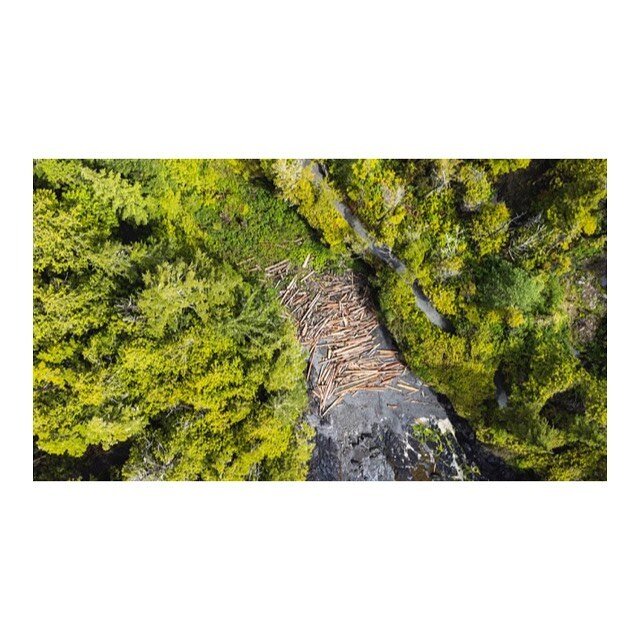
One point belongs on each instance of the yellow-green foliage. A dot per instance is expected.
(315, 200)
(514, 317)
(153, 326)
(378, 194)
(499, 167)
(576, 461)
(543, 373)
(494, 274)
(572, 201)
(552, 369)
(443, 360)
(142, 336)
(596, 395)
(507, 315)
(490, 228)
(568, 212)
(219, 205)
(476, 186)
(444, 299)
(222, 368)
(432, 241)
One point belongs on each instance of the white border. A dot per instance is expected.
(341, 79)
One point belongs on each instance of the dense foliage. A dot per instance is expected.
(144, 330)
(513, 253)
(160, 352)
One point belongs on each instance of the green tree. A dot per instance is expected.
(218, 372)
(499, 167)
(141, 337)
(500, 285)
(82, 275)
(476, 186)
(378, 196)
(576, 189)
(490, 228)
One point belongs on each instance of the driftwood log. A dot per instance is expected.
(336, 320)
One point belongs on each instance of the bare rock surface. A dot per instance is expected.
(373, 418)
(390, 434)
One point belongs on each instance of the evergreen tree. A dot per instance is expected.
(140, 337)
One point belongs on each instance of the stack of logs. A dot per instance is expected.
(336, 321)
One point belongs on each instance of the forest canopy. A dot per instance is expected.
(145, 333)
(162, 353)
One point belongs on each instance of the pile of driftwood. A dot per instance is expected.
(336, 321)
